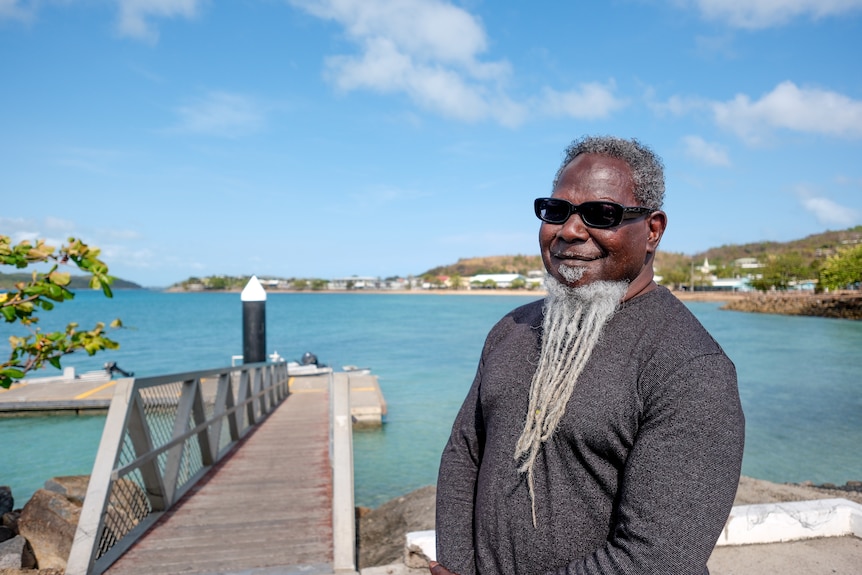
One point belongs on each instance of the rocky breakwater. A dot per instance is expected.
(38, 537)
(843, 305)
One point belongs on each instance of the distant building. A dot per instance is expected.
(502, 281)
(535, 279)
(706, 269)
(355, 282)
(731, 284)
(747, 263)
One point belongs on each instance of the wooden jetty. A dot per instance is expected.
(243, 470)
(266, 505)
(92, 393)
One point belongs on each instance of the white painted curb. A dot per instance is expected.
(791, 521)
(749, 524)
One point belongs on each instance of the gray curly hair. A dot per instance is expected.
(646, 166)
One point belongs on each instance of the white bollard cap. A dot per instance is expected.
(253, 291)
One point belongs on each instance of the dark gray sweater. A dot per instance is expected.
(640, 475)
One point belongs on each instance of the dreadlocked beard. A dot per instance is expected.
(572, 325)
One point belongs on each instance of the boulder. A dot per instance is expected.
(7, 502)
(10, 520)
(16, 554)
(48, 522)
(381, 532)
(72, 487)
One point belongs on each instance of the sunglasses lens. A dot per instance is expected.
(601, 214)
(552, 211)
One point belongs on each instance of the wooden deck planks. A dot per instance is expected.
(267, 505)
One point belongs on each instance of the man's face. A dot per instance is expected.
(612, 254)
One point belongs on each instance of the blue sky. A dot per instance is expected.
(328, 138)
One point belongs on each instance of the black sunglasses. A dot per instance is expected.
(593, 214)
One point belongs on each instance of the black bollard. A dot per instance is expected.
(253, 322)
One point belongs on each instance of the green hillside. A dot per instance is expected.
(77, 283)
(810, 251)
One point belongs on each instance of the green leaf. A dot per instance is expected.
(8, 313)
(60, 278)
(11, 372)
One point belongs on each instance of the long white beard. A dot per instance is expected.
(572, 325)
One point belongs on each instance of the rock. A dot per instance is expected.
(10, 520)
(48, 521)
(7, 502)
(417, 543)
(381, 532)
(72, 487)
(16, 554)
(6, 533)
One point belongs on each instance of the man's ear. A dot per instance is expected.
(657, 222)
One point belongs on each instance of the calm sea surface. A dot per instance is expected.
(800, 378)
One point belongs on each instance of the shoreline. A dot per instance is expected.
(839, 305)
(536, 293)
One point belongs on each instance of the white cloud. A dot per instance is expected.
(221, 114)
(828, 212)
(426, 49)
(431, 51)
(59, 225)
(679, 106)
(129, 256)
(709, 153)
(427, 29)
(754, 14)
(55, 231)
(135, 15)
(589, 102)
(789, 107)
(16, 10)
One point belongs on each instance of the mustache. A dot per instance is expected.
(572, 274)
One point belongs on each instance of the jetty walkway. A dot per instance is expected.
(241, 470)
(266, 508)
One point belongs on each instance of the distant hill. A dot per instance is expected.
(466, 267)
(811, 248)
(77, 283)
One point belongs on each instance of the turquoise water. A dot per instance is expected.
(800, 378)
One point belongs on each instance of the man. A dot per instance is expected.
(603, 432)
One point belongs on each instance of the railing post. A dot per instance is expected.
(91, 522)
(343, 513)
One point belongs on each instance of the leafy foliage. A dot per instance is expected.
(40, 293)
(842, 270)
(783, 262)
(783, 270)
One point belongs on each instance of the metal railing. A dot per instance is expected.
(162, 434)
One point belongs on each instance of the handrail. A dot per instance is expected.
(162, 434)
(344, 560)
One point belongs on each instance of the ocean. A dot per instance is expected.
(800, 378)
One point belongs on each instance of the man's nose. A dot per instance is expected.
(574, 229)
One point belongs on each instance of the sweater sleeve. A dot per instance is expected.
(680, 478)
(456, 485)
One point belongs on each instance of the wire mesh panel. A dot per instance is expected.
(161, 436)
